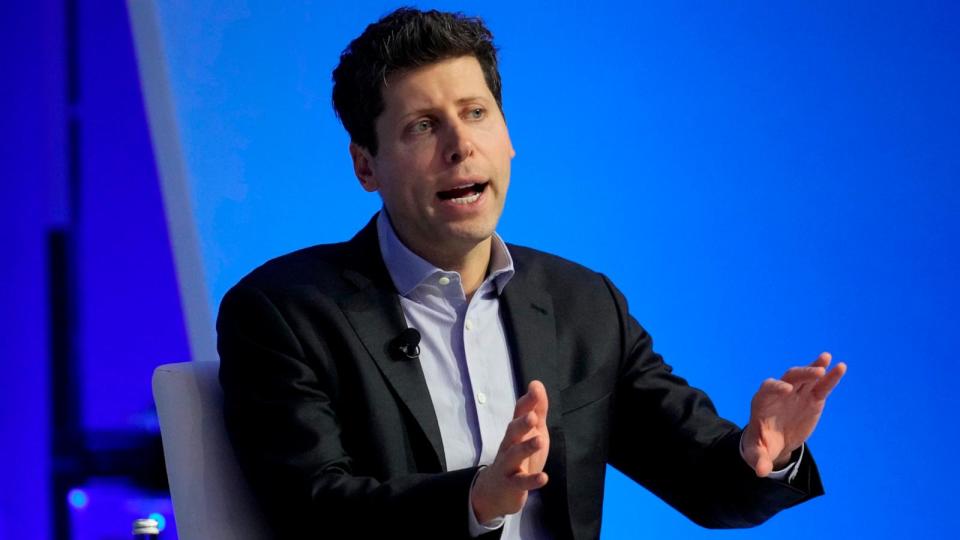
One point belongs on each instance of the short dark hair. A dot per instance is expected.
(402, 40)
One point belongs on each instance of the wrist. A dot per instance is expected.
(478, 500)
(787, 458)
(476, 527)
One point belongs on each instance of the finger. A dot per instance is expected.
(518, 429)
(512, 459)
(539, 393)
(524, 405)
(534, 400)
(802, 376)
(829, 381)
(823, 360)
(527, 482)
(803, 373)
(774, 386)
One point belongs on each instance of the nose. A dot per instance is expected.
(459, 143)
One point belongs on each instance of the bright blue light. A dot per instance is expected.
(78, 498)
(158, 517)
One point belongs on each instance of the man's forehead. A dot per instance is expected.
(456, 80)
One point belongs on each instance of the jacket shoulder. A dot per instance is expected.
(321, 269)
(297, 267)
(552, 270)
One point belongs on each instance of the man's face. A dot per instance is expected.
(443, 164)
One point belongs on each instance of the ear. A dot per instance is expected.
(363, 167)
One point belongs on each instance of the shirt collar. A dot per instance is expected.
(408, 270)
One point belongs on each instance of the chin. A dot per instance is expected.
(473, 232)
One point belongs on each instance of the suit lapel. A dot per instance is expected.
(528, 313)
(375, 313)
(530, 320)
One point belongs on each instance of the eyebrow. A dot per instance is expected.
(462, 101)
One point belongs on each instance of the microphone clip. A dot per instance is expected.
(408, 344)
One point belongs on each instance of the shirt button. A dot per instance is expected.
(481, 398)
(444, 280)
(468, 325)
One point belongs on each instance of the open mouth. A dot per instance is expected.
(465, 194)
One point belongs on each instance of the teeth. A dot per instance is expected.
(466, 200)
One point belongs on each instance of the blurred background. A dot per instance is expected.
(763, 180)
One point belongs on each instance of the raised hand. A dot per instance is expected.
(501, 488)
(785, 411)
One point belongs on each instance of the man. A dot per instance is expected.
(525, 375)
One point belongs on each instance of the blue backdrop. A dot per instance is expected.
(763, 181)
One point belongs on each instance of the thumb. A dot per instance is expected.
(763, 464)
(756, 455)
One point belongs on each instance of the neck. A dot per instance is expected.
(470, 262)
(470, 259)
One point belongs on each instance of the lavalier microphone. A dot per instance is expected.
(408, 343)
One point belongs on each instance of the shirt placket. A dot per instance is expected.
(493, 402)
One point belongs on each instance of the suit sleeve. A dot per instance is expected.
(668, 437)
(284, 424)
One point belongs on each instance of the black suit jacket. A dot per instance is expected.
(337, 433)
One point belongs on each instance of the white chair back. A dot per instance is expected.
(211, 498)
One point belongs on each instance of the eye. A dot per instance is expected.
(421, 126)
(477, 113)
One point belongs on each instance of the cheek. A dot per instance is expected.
(404, 191)
(499, 142)
(416, 158)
